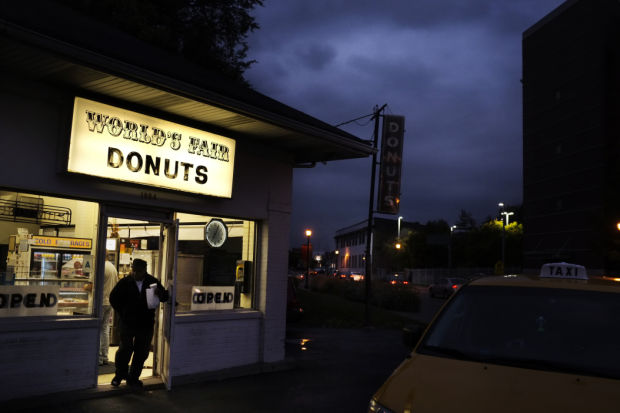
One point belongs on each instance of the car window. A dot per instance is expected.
(564, 330)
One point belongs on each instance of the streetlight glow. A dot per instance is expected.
(398, 245)
(308, 234)
(507, 215)
(336, 253)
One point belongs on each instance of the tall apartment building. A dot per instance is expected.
(571, 131)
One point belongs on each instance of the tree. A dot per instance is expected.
(466, 220)
(216, 33)
(211, 33)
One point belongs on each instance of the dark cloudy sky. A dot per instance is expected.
(451, 67)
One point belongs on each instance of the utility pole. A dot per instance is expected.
(368, 276)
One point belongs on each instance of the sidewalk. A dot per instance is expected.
(330, 370)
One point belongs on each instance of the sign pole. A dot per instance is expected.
(367, 275)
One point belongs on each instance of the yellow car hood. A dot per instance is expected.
(434, 384)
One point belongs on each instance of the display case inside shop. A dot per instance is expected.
(65, 268)
(71, 269)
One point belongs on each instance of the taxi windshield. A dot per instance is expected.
(551, 329)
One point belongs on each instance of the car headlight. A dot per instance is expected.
(375, 407)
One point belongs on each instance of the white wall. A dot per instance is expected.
(274, 285)
(84, 215)
(205, 346)
(10, 228)
(47, 357)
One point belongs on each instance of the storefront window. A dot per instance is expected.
(47, 255)
(215, 263)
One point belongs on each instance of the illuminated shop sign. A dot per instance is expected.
(212, 298)
(388, 201)
(119, 144)
(31, 300)
(55, 242)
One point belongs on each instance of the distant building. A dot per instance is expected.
(351, 244)
(571, 145)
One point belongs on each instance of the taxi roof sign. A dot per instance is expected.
(564, 270)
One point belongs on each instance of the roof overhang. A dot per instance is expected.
(64, 58)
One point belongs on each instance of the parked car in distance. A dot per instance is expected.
(445, 287)
(341, 274)
(349, 275)
(398, 279)
(354, 276)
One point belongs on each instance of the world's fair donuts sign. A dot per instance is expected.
(119, 144)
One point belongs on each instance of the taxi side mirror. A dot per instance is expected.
(412, 334)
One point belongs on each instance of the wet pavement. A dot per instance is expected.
(329, 370)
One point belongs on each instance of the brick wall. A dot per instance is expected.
(214, 345)
(50, 359)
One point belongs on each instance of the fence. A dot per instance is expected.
(426, 276)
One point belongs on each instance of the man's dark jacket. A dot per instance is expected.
(130, 304)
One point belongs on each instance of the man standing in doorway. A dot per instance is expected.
(128, 298)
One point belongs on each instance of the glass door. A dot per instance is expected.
(145, 236)
(168, 260)
(45, 265)
(73, 265)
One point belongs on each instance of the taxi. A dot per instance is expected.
(516, 343)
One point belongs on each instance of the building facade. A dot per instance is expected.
(351, 245)
(571, 184)
(114, 150)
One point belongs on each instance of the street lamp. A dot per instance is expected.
(398, 244)
(501, 213)
(505, 217)
(308, 235)
(337, 253)
(452, 228)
